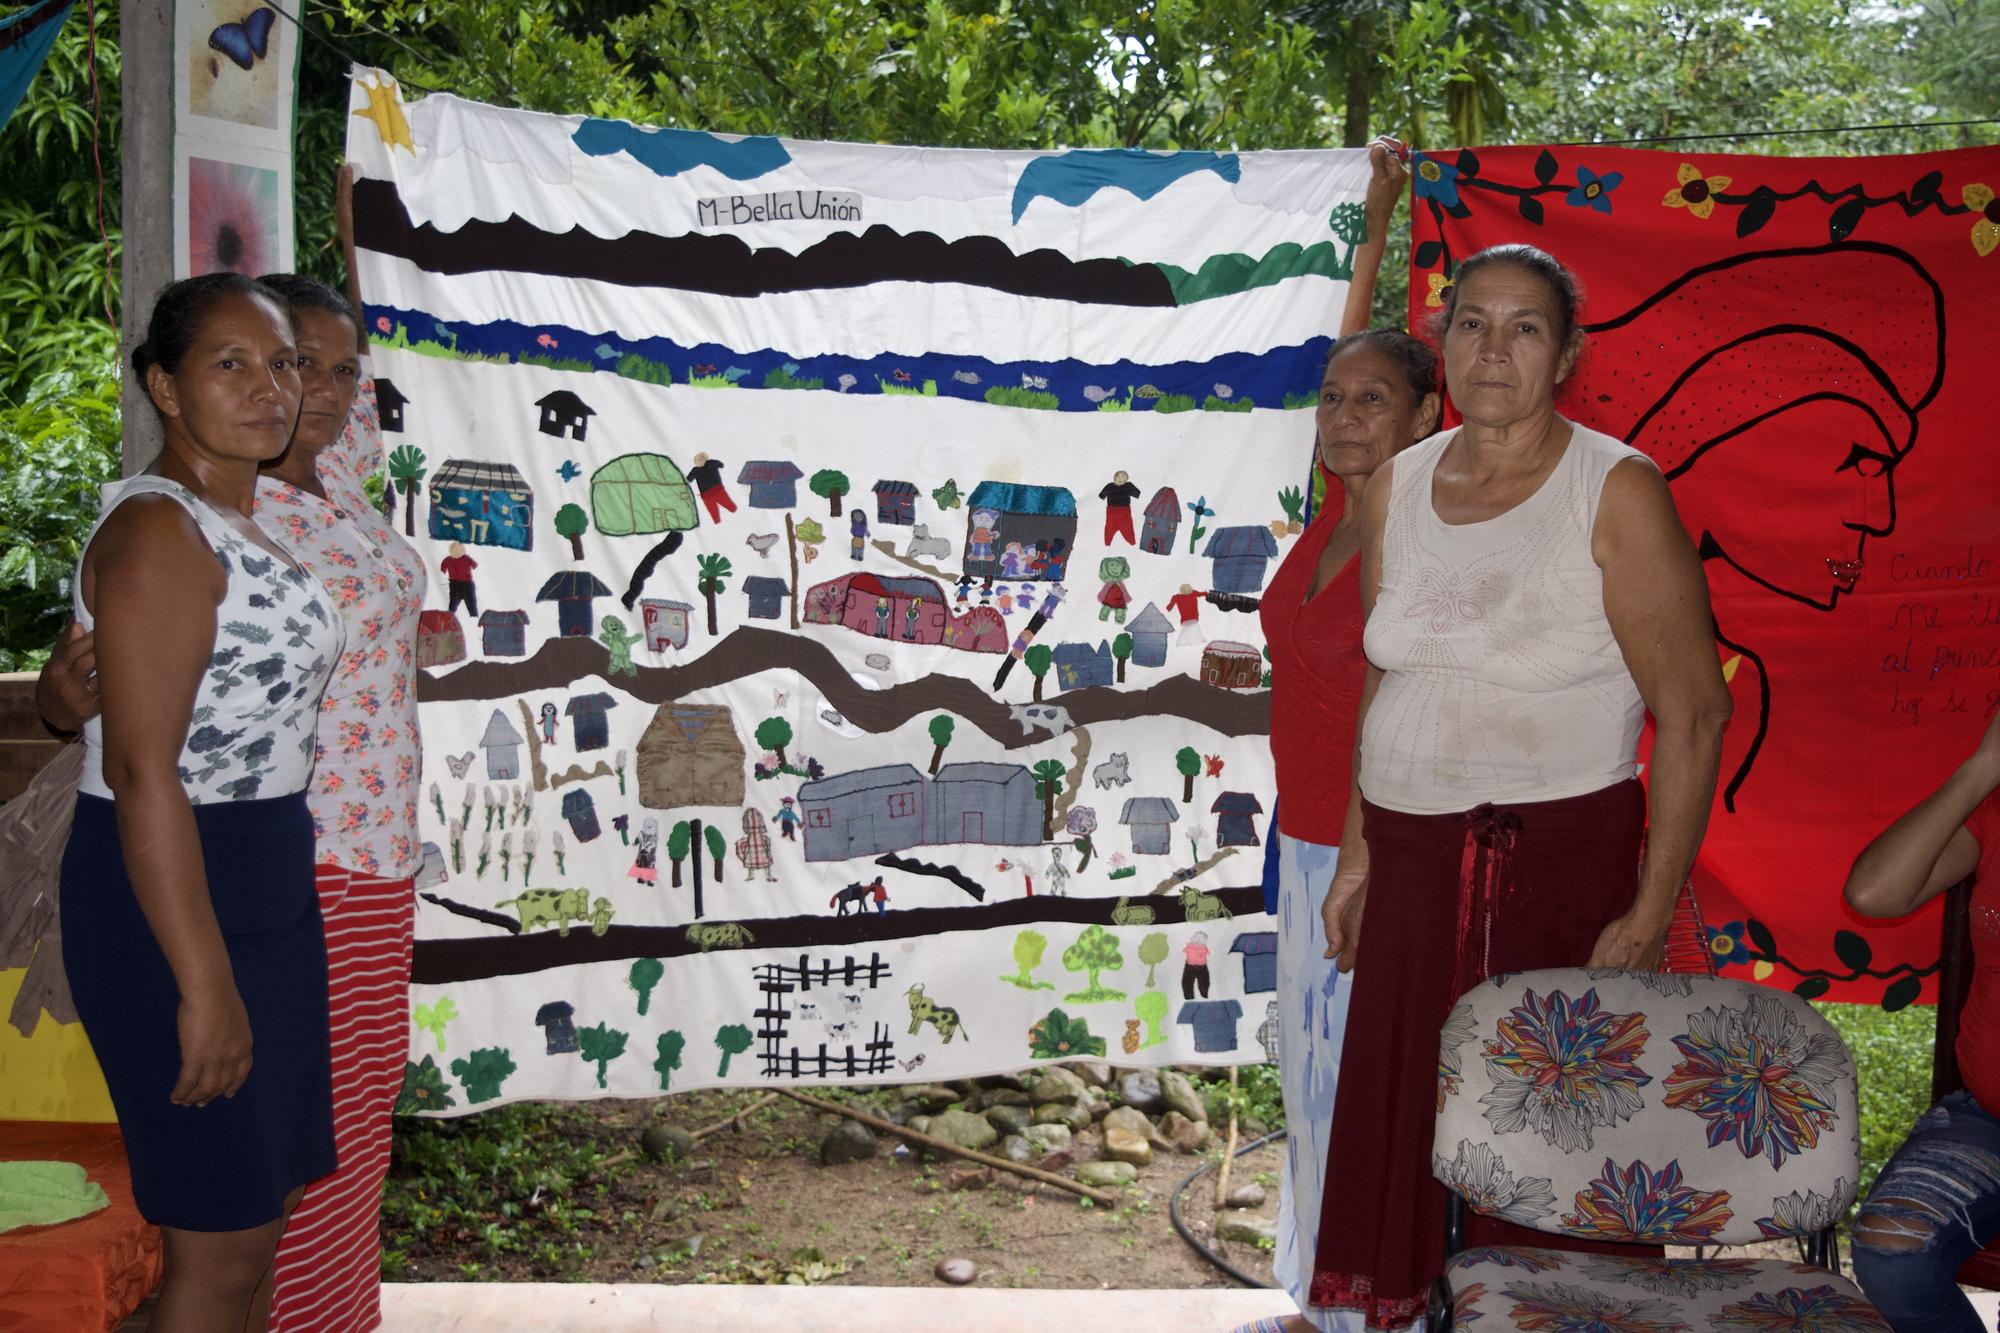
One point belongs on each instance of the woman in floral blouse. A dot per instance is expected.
(362, 797)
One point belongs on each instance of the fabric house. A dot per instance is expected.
(1079, 666)
(896, 502)
(1214, 1023)
(767, 596)
(581, 812)
(1151, 820)
(1234, 826)
(640, 494)
(389, 400)
(440, 640)
(1259, 949)
(1024, 517)
(1151, 632)
(879, 607)
(1162, 522)
(572, 590)
(563, 413)
(589, 726)
(773, 483)
(689, 755)
(503, 633)
(482, 504)
(983, 803)
(666, 623)
(864, 813)
(1240, 554)
(1231, 665)
(503, 748)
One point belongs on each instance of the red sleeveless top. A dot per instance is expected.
(1317, 669)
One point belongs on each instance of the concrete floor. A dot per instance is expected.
(447, 1307)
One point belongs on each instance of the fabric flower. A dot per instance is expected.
(1725, 943)
(1986, 231)
(1511, 1256)
(1483, 1179)
(1458, 1030)
(1438, 284)
(1686, 1278)
(1557, 1307)
(1593, 190)
(1759, 1077)
(1432, 179)
(1823, 1309)
(1797, 1214)
(1563, 1067)
(1636, 1205)
(1696, 192)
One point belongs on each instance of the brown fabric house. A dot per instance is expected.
(690, 755)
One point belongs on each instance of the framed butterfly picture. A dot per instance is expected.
(237, 58)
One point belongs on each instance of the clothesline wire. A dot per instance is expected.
(1819, 131)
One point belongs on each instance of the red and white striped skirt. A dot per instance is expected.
(329, 1266)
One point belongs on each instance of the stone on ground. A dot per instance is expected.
(850, 1141)
(1246, 1227)
(1016, 1148)
(968, 1178)
(1247, 1195)
(1128, 1119)
(667, 1143)
(1074, 1114)
(1180, 1095)
(1094, 1073)
(1107, 1175)
(963, 1129)
(1048, 1138)
(1123, 1145)
(1141, 1091)
(1009, 1119)
(1188, 1136)
(1056, 1084)
(958, 1272)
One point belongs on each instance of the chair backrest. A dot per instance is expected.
(1646, 1108)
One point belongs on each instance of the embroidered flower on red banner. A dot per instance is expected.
(1438, 283)
(1593, 190)
(1432, 179)
(1986, 229)
(1696, 192)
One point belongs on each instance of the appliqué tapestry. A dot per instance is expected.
(1803, 346)
(845, 663)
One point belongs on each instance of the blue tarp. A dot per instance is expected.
(25, 40)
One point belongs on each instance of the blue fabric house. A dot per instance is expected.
(1214, 1023)
(1240, 554)
(1150, 631)
(773, 483)
(482, 504)
(1078, 665)
(1260, 960)
(767, 596)
(1008, 525)
(1234, 826)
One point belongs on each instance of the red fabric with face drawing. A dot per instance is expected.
(1805, 347)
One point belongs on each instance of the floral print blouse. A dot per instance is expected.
(364, 788)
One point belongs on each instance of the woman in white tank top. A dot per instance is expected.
(1530, 595)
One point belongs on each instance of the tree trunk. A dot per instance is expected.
(1048, 810)
(677, 872)
(1038, 696)
(718, 870)
(792, 550)
(576, 546)
(1360, 90)
(409, 509)
(708, 595)
(1087, 847)
(1187, 789)
(833, 502)
(781, 755)
(1121, 671)
(937, 757)
(695, 850)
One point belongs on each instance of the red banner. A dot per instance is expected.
(1801, 344)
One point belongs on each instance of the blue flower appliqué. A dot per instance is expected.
(1432, 179)
(1593, 190)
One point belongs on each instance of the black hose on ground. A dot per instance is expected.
(1174, 1214)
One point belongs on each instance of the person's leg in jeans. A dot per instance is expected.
(1936, 1203)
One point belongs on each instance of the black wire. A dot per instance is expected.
(1775, 134)
(1174, 1214)
(349, 56)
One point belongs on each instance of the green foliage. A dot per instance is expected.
(1121, 647)
(1213, 403)
(670, 1046)
(1173, 402)
(714, 573)
(1153, 952)
(645, 975)
(572, 521)
(829, 484)
(483, 1072)
(1151, 1008)
(1038, 659)
(644, 369)
(423, 1088)
(941, 729)
(432, 1018)
(1029, 946)
(600, 1045)
(1049, 775)
(1057, 1036)
(929, 389)
(786, 377)
(1007, 395)
(1096, 950)
(730, 1039)
(679, 837)
(56, 448)
(1892, 1059)
(1295, 401)
(1293, 501)
(774, 733)
(1187, 759)
(717, 847)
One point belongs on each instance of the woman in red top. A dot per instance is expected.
(1379, 396)
(1937, 1202)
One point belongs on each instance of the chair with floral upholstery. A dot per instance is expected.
(1646, 1108)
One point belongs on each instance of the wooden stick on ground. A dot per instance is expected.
(1229, 1153)
(1104, 1197)
(736, 1120)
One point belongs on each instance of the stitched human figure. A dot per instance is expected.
(618, 641)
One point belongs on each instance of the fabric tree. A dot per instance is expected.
(774, 733)
(1188, 760)
(406, 470)
(713, 578)
(600, 1045)
(941, 728)
(678, 840)
(1152, 952)
(645, 975)
(1151, 1006)
(829, 485)
(717, 848)
(1082, 822)
(572, 522)
(1049, 775)
(483, 1072)
(1096, 950)
(670, 1046)
(1121, 648)
(1038, 659)
(1029, 946)
(730, 1039)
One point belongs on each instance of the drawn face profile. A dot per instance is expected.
(1815, 411)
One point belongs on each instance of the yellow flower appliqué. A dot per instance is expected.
(1696, 192)
(1985, 231)
(1438, 283)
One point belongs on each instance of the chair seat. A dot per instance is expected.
(1982, 1269)
(1509, 1287)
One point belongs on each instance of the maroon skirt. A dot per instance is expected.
(1452, 899)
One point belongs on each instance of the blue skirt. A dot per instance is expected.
(226, 1166)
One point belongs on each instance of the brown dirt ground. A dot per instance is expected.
(756, 1197)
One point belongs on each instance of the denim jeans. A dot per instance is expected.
(1936, 1203)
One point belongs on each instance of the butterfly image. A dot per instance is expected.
(458, 763)
(778, 698)
(245, 42)
(912, 1062)
(569, 471)
(902, 376)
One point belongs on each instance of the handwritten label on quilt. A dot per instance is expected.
(738, 210)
